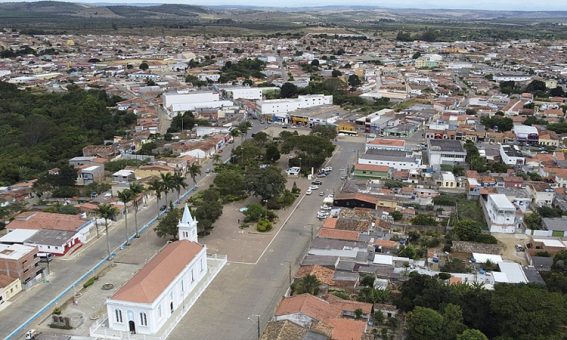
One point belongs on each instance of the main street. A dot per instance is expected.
(229, 307)
(67, 271)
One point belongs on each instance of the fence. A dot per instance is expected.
(91, 271)
(99, 329)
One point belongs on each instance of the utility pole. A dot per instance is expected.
(258, 316)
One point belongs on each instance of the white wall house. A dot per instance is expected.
(511, 156)
(146, 302)
(500, 214)
(445, 151)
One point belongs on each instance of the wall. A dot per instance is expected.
(159, 311)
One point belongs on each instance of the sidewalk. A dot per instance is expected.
(100, 329)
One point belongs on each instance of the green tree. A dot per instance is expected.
(423, 219)
(336, 73)
(267, 183)
(396, 215)
(424, 324)
(168, 184)
(144, 66)
(167, 226)
(125, 196)
(452, 321)
(107, 212)
(533, 221)
(354, 81)
(288, 90)
(137, 190)
(194, 171)
(231, 182)
(528, 312)
(178, 183)
(467, 230)
(272, 153)
(308, 284)
(472, 334)
(156, 186)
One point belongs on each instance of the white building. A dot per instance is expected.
(284, 106)
(445, 151)
(500, 214)
(511, 77)
(398, 160)
(511, 155)
(146, 302)
(176, 102)
(251, 93)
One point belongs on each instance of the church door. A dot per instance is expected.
(132, 326)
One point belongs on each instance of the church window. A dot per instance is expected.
(118, 315)
(143, 319)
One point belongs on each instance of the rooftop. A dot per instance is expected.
(152, 280)
(47, 221)
(446, 145)
(14, 251)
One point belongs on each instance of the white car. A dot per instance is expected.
(313, 187)
(328, 169)
(308, 192)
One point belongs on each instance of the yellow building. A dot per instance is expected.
(9, 287)
(345, 127)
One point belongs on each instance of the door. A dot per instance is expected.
(132, 327)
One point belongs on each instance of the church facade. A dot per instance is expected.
(146, 302)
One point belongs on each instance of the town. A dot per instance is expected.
(289, 186)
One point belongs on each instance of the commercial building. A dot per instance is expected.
(398, 160)
(18, 261)
(277, 109)
(526, 134)
(9, 287)
(445, 151)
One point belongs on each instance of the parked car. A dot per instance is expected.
(321, 194)
(313, 187)
(328, 169)
(316, 182)
(308, 192)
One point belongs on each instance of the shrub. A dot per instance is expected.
(90, 282)
(57, 311)
(264, 225)
(444, 276)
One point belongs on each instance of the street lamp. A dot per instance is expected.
(289, 272)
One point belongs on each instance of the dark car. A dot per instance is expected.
(317, 182)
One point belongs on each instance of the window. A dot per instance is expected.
(143, 319)
(182, 286)
(159, 311)
(192, 276)
(118, 313)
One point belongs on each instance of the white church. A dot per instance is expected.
(146, 302)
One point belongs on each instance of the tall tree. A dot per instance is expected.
(424, 324)
(167, 227)
(288, 90)
(167, 184)
(137, 190)
(107, 212)
(156, 186)
(125, 196)
(178, 183)
(194, 171)
(452, 321)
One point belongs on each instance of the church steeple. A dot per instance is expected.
(187, 226)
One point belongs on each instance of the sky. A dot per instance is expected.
(521, 5)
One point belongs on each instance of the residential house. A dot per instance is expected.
(55, 233)
(557, 225)
(386, 144)
(500, 214)
(9, 287)
(511, 155)
(89, 174)
(371, 171)
(542, 193)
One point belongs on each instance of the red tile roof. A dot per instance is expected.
(347, 329)
(371, 167)
(46, 221)
(336, 234)
(152, 280)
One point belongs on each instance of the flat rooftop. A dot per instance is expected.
(446, 145)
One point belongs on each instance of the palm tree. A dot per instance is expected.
(137, 189)
(311, 284)
(156, 186)
(167, 184)
(178, 182)
(194, 171)
(125, 196)
(216, 158)
(107, 212)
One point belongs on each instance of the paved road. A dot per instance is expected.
(228, 309)
(65, 272)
